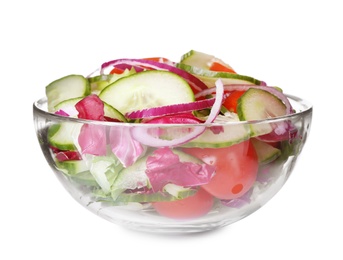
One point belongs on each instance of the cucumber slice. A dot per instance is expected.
(72, 167)
(113, 113)
(85, 178)
(147, 89)
(68, 106)
(171, 192)
(153, 197)
(64, 135)
(228, 135)
(68, 87)
(266, 153)
(258, 104)
(132, 177)
(210, 77)
(178, 192)
(200, 60)
(98, 83)
(104, 170)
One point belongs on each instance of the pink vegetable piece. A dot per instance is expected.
(164, 167)
(61, 113)
(124, 146)
(91, 108)
(92, 138)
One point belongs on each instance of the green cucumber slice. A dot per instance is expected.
(200, 59)
(178, 192)
(68, 87)
(127, 198)
(147, 89)
(229, 135)
(72, 167)
(266, 153)
(68, 106)
(98, 83)
(210, 77)
(84, 178)
(113, 113)
(132, 177)
(104, 170)
(64, 135)
(258, 104)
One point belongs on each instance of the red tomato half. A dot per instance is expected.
(191, 207)
(236, 169)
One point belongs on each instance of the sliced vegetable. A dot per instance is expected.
(68, 87)
(210, 77)
(266, 153)
(99, 82)
(91, 107)
(196, 84)
(64, 135)
(142, 135)
(205, 61)
(171, 109)
(258, 104)
(239, 87)
(72, 167)
(226, 136)
(145, 90)
(124, 146)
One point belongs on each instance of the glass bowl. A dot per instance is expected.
(215, 179)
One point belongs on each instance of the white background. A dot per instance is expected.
(296, 45)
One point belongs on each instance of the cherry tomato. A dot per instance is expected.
(191, 207)
(236, 168)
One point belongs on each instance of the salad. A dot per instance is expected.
(164, 144)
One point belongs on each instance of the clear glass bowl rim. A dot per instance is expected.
(38, 109)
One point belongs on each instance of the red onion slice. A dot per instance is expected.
(141, 133)
(171, 109)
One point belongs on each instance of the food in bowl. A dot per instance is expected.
(167, 146)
